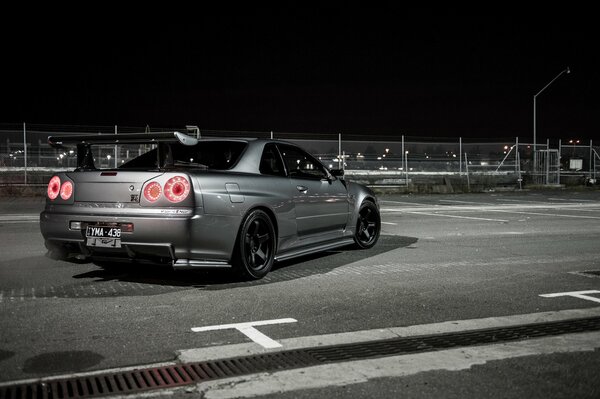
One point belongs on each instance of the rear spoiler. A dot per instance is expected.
(85, 158)
(128, 138)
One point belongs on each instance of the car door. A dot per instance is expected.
(321, 200)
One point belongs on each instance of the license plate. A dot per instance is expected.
(103, 236)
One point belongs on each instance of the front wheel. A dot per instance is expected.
(368, 225)
(255, 250)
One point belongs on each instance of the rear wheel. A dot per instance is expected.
(368, 225)
(255, 251)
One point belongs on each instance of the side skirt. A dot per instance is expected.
(314, 249)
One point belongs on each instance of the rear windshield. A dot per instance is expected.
(219, 155)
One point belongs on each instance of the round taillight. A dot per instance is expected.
(152, 191)
(54, 187)
(66, 190)
(177, 189)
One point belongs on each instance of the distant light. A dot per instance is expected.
(379, 158)
(330, 166)
(108, 157)
(506, 147)
(453, 155)
(387, 150)
(406, 152)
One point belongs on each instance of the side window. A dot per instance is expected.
(301, 164)
(270, 162)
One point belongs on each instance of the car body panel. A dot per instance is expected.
(202, 231)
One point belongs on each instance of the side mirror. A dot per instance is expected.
(337, 173)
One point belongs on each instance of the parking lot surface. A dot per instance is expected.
(444, 264)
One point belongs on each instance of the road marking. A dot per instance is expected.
(486, 207)
(545, 214)
(390, 223)
(570, 199)
(465, 202)
(458, 217)
(249, 331)
(12, 219)
(402, 202)
(575, 294)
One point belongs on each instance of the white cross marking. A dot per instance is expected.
(249, 331)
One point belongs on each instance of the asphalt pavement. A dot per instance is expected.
(442, 260)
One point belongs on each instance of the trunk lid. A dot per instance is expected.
(110, 185)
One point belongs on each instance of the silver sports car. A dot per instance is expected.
(203, 203)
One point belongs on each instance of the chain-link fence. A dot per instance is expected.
(26, 158)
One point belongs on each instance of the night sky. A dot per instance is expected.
(367, 71)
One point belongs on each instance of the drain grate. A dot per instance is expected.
(125, 382)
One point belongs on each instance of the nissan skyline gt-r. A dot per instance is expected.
(203, 203)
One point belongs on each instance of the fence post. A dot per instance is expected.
(516, 153)
(402, 151)
(116, 153)
(406, 169)
(25, 147)
(340, 160)
(547, 161)
(559, 157)
(467, 170)
(460, 156)
(271, 135)
(591, 149)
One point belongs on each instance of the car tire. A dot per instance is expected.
(368, 225)
(254, 253)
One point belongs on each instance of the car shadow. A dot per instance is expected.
(301, 267)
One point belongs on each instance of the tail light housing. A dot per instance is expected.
(66, 190)
(177, 189)
(54, 187)
(152, 191)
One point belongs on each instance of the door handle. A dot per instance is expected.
(302, 188)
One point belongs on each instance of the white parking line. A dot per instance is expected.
(7, 219)
(465, 202)
(570, 199)
(576, 294)
(545, 214)
(390, 223)
(249, 331)
(402, 202)
(452, 216)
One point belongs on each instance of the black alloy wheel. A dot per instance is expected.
(368, 225)
(256, 245)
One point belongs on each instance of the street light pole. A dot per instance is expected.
(567, 70)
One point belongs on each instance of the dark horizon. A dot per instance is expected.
(374, 73)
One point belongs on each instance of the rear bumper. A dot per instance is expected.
(186, 241)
